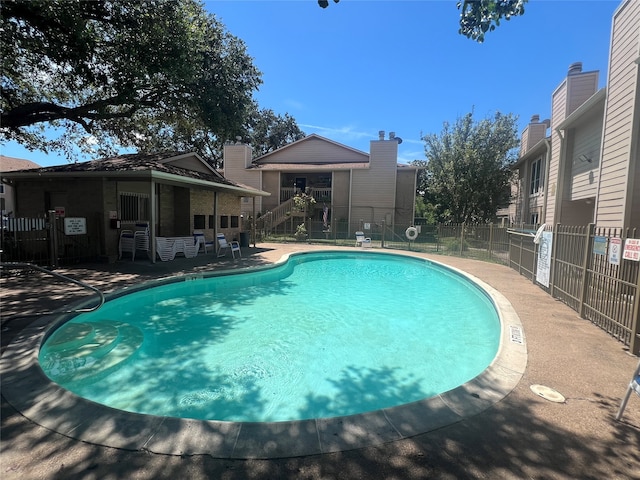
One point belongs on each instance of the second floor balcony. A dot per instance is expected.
(321, 195)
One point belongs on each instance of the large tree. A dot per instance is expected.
(120, 73)
(478, 17)
(267, 131)
(467, 174)
(261, 128)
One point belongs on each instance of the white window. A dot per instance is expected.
(134, 207)
(534, 218)
(537, 177)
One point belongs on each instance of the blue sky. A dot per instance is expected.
(360, 66)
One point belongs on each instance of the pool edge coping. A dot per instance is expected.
(34, 395)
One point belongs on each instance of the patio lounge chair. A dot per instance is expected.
(362, 241)
(634, 386)
(223, 246)
(201, 241)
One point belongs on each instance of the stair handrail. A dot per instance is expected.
(60, 276)
(276, 216)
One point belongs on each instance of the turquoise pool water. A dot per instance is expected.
(323, 335)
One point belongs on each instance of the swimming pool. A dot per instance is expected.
(322, 335)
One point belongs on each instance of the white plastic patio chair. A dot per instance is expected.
(362, 241)
(133, 240)
(223, 246)
(201, 241)
(634, 386)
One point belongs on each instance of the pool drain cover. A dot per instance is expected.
(547, 393)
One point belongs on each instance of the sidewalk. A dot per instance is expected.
(523, 436)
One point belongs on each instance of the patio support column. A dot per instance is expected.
(154, 219)
(215, 222)
(253, 222)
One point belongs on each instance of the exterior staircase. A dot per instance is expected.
(270, 220)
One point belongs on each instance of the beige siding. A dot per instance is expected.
(617, 169)
(580, 88)
(340, 185)
(315, 150)
(405, 197)
(558, 114)
(190, 163)
(634, 213)
(270, 183)
(374, 190)
(586, 141)
(236, 158)
(531, 135)
(524, 145)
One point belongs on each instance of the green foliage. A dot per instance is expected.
(467, 174)
(107, 74)
(267, 131)
(452, 244)
(425, 210)
(301, 232)
(304, 202)
(478, 17)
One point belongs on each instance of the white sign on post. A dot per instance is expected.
(543, 270)
(632, 249)
(75, 226)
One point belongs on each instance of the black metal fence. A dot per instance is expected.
(49, 240)
(589, 273)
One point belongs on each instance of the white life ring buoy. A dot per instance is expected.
(411, 233)
(538, 236)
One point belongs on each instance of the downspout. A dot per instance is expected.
(560, 181)
(547, 143)
(253, 223)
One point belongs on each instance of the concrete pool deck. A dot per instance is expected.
(520, 435)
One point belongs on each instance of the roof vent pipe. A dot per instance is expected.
(535, 118)
(381, 135)
(575, 68)
(392, 135)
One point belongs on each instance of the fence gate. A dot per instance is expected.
(50, 240)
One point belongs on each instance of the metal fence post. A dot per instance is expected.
(634, 343)
(585, 267)
(461, 238)
(53, 239)
(534, 262)
(554, 253)
(384, 228)
(490, 240)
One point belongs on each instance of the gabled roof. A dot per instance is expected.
(316, 167)
(156, 166)
(10, 164)
(534, 152)
(272, 157)
(595, 103)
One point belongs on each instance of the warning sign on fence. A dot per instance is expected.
(632, 249)
(615, 248)
(75, 226)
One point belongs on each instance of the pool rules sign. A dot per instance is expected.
(75, 226)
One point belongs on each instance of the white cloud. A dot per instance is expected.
(347, 132)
